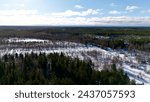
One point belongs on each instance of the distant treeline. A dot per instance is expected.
(108, 31)
(131, 38)
(52, 69)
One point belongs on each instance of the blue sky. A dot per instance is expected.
(75, 12)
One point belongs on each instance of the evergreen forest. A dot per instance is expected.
(56, 69)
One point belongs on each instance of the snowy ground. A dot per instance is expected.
(98, 56)
(140, 76)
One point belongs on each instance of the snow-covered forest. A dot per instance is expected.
(102, 58)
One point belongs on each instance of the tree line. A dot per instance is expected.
(56, 69)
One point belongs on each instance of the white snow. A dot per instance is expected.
(97, 55)
(10, 40)
(139, 75)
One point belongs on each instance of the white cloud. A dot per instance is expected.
(131, 8)
(14, 5)
(79, 7)
(114, 12)
(113, 4)
(122, 20)
(17, 12)
(32, 17)
(70, 13)
(146, 11)
(20, 5)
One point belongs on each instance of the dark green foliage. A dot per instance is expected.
(119, 37)
(114, 76)
(56, 69)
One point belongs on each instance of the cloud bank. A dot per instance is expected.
(87, 17)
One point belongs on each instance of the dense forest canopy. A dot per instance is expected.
(74, 30)
(34, 69)
(131, 38)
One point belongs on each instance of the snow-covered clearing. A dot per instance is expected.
(100, 57)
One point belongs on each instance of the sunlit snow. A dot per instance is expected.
(100, 57)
